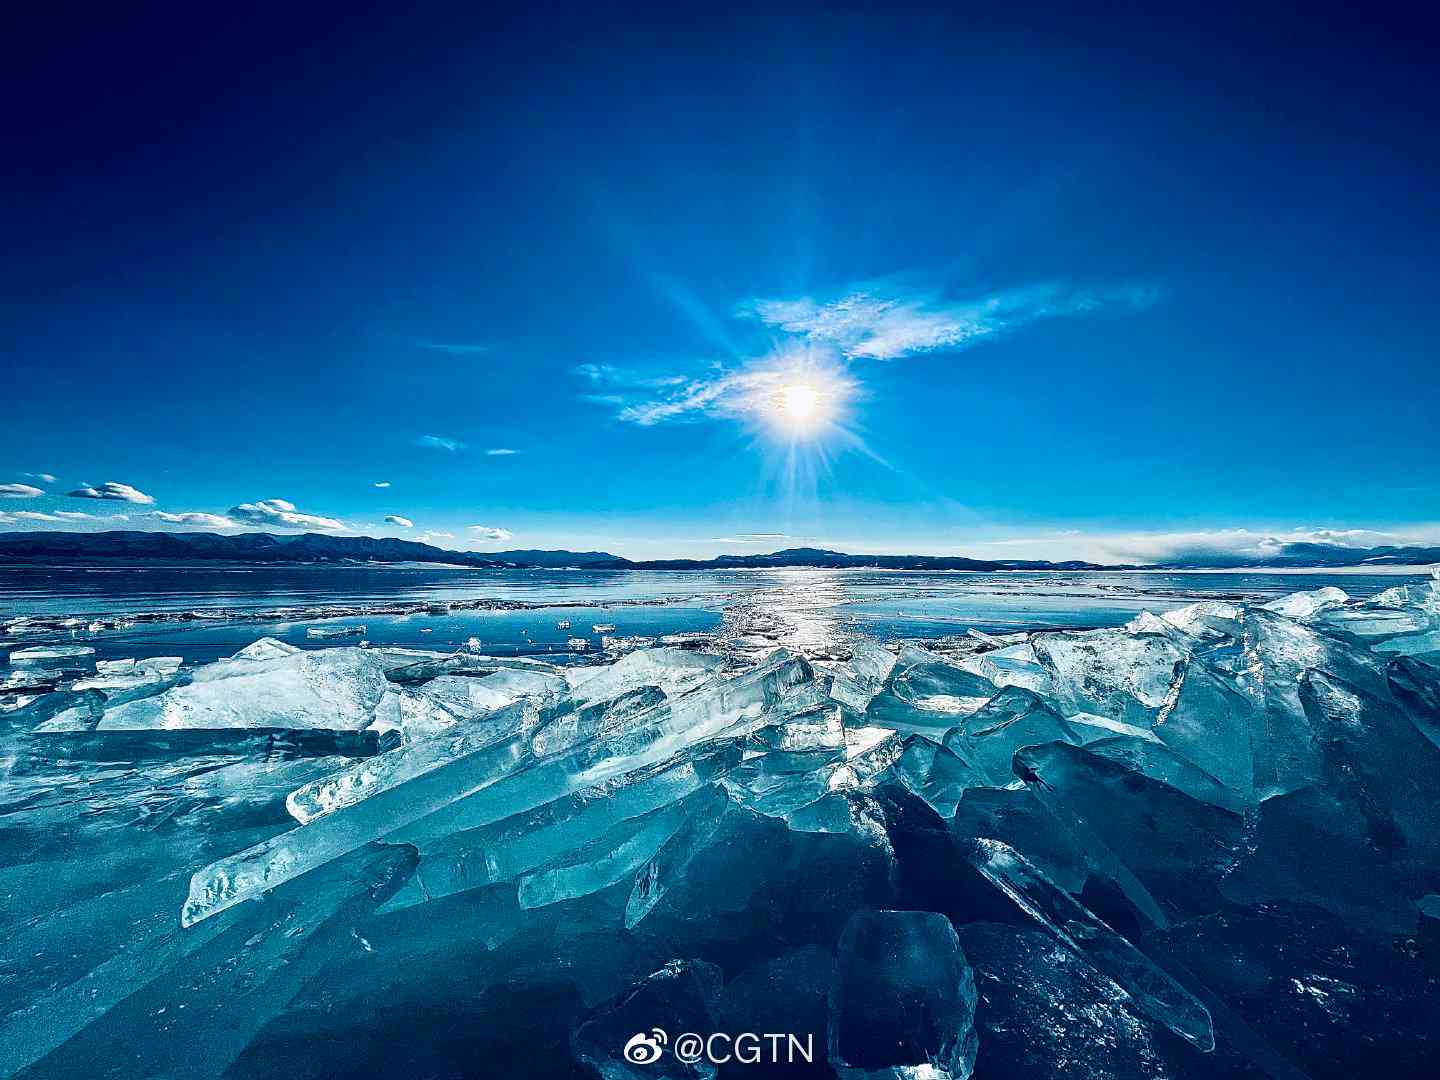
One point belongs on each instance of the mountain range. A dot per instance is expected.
(185, 547)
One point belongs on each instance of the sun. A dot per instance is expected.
(802, 404)
(799, 402)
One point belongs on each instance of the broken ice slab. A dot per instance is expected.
(1208, 722)
(1426, 646)
(422, 792)
(258, 869)
(600, 719)
(1010, 665)
(198, 1018)
(673, 670)
(902, 1003)
(327, 688)
(266, 648)
(629, 1037)
(1113, 673)
(1379, 762)
(618, 852)
(938, 774)
(54, 657)
(461, 663)
(410, 715)
(405, 764)
(335, 631)
(989, 737)
(134, 682)
(72, 735)
(1277, 652)
(859, 679)
(61, 710)
(924, 690)
(722, 706)
(1181, 847)
(1206, 623)
(1304, 606)
(1155, 992)
(1160, 762)
(1416, 686)
(502, 851)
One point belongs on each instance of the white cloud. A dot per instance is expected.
(885, 324)
(208, 521)
(112, 490)
(282, 514)
(440, 442)
(490, 533)
(501, 452)
(431, 537)
(396, 519)
(19, 491)
(382, 483)
(43, 477)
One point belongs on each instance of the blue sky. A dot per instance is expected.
(1017, 286)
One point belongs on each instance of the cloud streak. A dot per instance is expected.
(440, 442)
(112, 491)
(501, 451)
(279, 513)
(490, 533)
(880, 325)
(396, 519)
(208, 521)
(19, 491)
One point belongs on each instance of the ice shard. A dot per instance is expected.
(328, 688)
(902, 1003)
(989, 737)
(672, 670)
(1155, 992)
(924, 690)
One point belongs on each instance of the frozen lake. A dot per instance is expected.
(520, 611)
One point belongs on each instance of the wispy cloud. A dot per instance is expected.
(440, 442)
(501, 451)
(886, 325)
(753, 538)
(752, 392)
(631, 378)
(431, 537)
(19, 491)
(206, 521)
(396, 519)
(43, 477)
(490, 533)
(382, 483)
(280, 514)
(59, 516)
(111, 490)
(883, 321)
(455, 348)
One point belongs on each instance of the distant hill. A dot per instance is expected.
(182, 547)
(819, 557)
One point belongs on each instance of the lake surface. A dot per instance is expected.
(219, 609)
